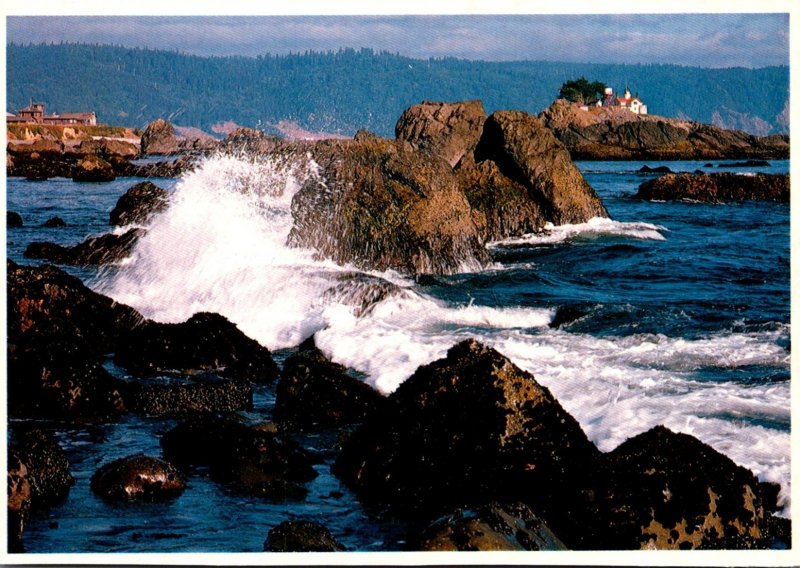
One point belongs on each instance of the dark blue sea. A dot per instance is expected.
(671, 313)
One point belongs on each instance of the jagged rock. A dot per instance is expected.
(164, 169)
(671, 491)
(449, 130)
(717, 187)
(249, 141)
(54, 223)
(466, 430)
(380, 204)
(301, 536)
(206, 341)
(105, 249)
(138, 478)
(13, 220)
(618, 134)
(315, 392)
(254, 460)
(93, 169)
(489, 527)
(159, 138)
(205, 393)
(138, 204)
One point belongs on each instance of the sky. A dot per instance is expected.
(705, 40)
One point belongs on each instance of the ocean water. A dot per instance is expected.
(678, 314)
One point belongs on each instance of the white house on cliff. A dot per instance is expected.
(633, 104)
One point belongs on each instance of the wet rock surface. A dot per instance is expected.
(138, 204)
(105, 249)
(489, 527)
(471, 426)
(301, 536)
(93, 169)
(138, 478)
(314, 392)
(251, 459)
(198, 394)
(205, 341)
(717, 188)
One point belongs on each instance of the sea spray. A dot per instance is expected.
(221, 246)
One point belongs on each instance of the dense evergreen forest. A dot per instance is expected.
(342, 91)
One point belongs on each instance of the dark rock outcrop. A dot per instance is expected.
(717, 188)
(13, 220)
(138, 478)
(204, 393)
(138, 204)
(159, 138)
(671, 491)
(106, 148)
(206, 341)
(41, 159)
(301, 536)
(163, 169)
(38, 477)
(618, 134)
(657, 170)
(315, 392)
(251, 459)
(58, 333)
(489, 527)
(466, 430)
(93, 169)
(105, 249)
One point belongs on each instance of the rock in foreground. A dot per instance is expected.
(717, 188)
(94, 251)
(138, 478)
(138, 204)
(301, 536)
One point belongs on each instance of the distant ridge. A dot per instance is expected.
(340, 92)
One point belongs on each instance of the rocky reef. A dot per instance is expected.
(716, 188)
(618, 134)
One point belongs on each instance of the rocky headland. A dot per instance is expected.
(618, 134)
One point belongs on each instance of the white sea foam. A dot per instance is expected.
(593, 227)
(221, 246)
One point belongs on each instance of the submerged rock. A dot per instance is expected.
(254, 460)
(301, 536)
(54, 223)
(717, 188)
(13, 220)
(315, 392)
(138, 478)
(466, 430)
(205, 341)
(105, 249)
(489, 527)
(138, 204)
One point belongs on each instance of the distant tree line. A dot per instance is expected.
(342, 91)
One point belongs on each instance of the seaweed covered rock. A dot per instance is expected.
(255, 460)
(138, 204)
(58, 333)
(315, 392)
(105, 249)
(717, 188)
(205, 341)
(186, 395)
(671, 491)
(138, 478)
(489, 527)
(301, 536)
(466, 430)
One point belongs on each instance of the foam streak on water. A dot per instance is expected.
(221, 246)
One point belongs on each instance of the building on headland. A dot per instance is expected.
(34, 114)
(626, 101)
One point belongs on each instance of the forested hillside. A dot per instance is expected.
(340, 92)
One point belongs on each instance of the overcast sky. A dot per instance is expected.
(708, 40)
